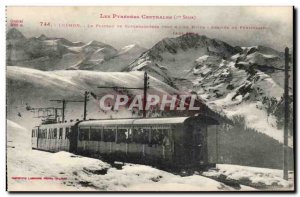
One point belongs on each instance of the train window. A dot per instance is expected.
(129, 135)
(109, 135)
(81, 134)
(135, 135)
(60, 133)
(67, 133)
(55, 133)
(146, 136)
(95, 134)
(50, 134)
(84, 134)
(122, 135)
(45, 133)
(157, 136)
(166, 137)
(141, 135)
(40, 133)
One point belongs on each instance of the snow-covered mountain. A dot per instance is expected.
(45, 53)
(176, 56)
(227, 78)
(41, 52)
(109, 59)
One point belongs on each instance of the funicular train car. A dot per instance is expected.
(177, 142)
(52, 137)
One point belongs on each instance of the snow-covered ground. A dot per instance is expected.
(29, 170)
(71, 172)
(262, 178)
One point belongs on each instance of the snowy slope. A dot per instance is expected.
(35, 88)
(238, 88)
(102, 57)
(17, 136)
(122, 59)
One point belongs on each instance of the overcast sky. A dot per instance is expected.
(277, 20)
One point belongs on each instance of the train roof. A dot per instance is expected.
(131, 121)
(142, 121)
(148, 121)
(54, 125)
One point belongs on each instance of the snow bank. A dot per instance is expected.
(17, 136)
(68, 172)
(253, 176)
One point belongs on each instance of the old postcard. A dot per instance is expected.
(108, 99)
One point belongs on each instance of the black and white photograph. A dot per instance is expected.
(150, 98)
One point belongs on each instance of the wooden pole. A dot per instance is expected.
(217, 144)
(63, 110)
(85, 103)
(145, 94)
(286, 115)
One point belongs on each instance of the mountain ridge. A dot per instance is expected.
(51, 53)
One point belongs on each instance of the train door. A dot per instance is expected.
(73, 138)
(194, 145)
(66, 139)
(199, 146)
